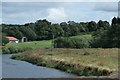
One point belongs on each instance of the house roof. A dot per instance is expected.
(12, 38)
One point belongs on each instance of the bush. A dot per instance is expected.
(4, 40)
(13, 49)
(62, 42)
(5, 50)
(86, 53)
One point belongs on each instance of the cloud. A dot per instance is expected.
(60, 0)
(22, 17)
(56, 14)
(17, 7)
(106, 6)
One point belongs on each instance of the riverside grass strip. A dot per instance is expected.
(60, 79)
(82, 62)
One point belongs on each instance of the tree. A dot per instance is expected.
(42, 29)
(114, 21)
(104, 25)
(4, 40)
(29, 33)
(110, 38)
(83, 27)
(73, 28)
(66, 29)
(56, 30)
(92, 26)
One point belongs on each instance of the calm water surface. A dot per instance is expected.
(17, 69)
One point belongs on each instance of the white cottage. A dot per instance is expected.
(12, 39)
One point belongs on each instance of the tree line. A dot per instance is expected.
(104, 34)
(101, 38)
(45, 30)
(109, 38)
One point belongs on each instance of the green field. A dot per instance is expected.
(12, 48)
(42, 44)
(33, 44)
(86, 36)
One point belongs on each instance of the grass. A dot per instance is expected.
(33, 44)
(44, 43)
(86, 61)
(86, 36)
(89, 61)
(12, 48)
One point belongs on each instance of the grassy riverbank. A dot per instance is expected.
(83, 62)
(21, 47)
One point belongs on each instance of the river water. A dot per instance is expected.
(21, 69)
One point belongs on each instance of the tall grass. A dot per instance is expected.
(85, 62)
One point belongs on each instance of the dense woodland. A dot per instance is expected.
(43, 29)
(104, 34)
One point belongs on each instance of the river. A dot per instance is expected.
(21, 69)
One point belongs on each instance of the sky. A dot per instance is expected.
(57, 12)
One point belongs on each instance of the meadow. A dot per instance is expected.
(43, 43)
(82, 62)
(86, 36)
(12, 48)
(32, 44)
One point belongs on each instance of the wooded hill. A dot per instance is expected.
(102, 31)
(43, 29)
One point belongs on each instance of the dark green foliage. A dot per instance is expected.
(86, 53)
(5, 50)
(13, 50)
(55, 31)
(105, 35)
(44, 30)
(71, 43)
(4, 40)
(74, 28)
(83, 27)
(109, 38)
(114, 21)
(29, 33)
(92, 26)
(66, 29)
(103, 25)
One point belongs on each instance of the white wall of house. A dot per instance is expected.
(14, 41)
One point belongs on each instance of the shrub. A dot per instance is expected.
(86, 53)
(4, 40)
(62, 42)
(13, 49)
(5, 50)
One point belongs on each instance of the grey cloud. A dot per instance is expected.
(106, 6)
(22, 12)
(16, 7)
